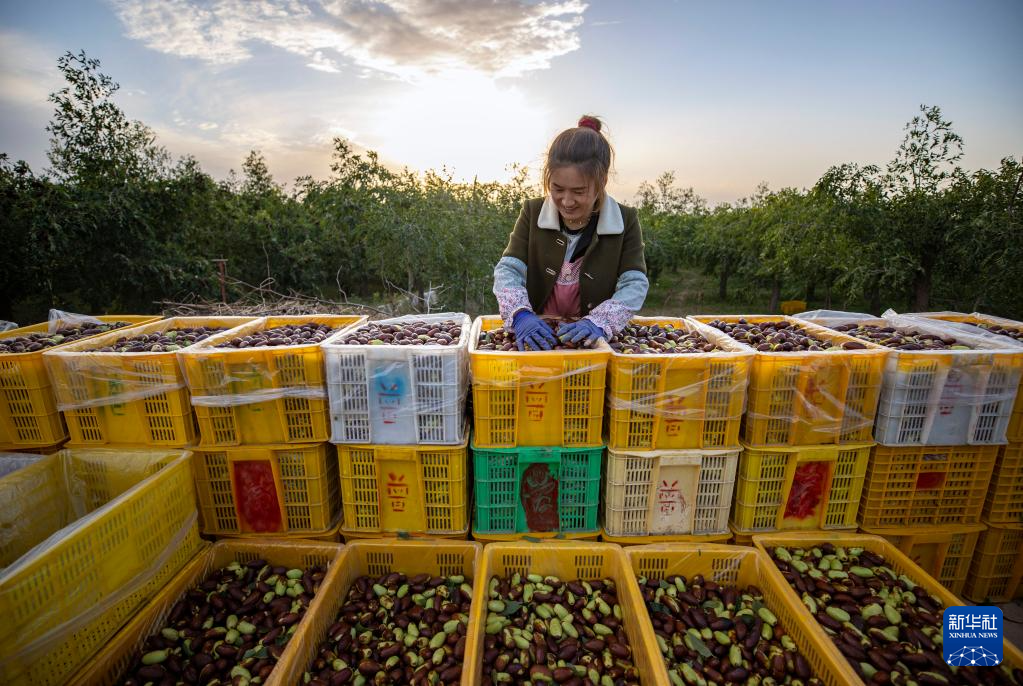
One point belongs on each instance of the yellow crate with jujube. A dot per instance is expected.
(895, 560)
(536, 398)
(676, 401)
(262, 391)
(813, 397)
(29, 417)
(926, 485)
(395, 488)
(109, 666)
(739, 567)
(90, 535)
(290, 490)
(944, 552)
(130, 398)
(568, 561)
(809, 487)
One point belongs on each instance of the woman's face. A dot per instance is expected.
(573, 194)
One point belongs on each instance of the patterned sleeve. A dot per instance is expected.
(630, 292)
(510, 288)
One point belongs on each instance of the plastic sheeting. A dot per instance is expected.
(399, 394)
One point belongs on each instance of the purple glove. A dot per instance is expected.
(584, 331)
(532, 331)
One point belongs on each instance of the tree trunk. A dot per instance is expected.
(723, 282)
(922, 291)
(775, 296)
(827, 294)
(811, 292)
(875, 299)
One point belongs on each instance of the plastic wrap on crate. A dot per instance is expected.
(109, 666)
(263, 394)
(398, 394)
(536, 398)
(799, 398)
(943, 397)
(29, 417)
(742, 567)
(12, 462)
(668, 492)
(89, 378)
(86, 536)
(128, 398)
(678, 401)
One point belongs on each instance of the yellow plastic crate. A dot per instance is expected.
(678, 402)
(1004, 502)
(374, 558)
(633, 541)
(746, 539)
(394, 488)
(536, 398)
(996, 575)
(896, 561)
(126, 398)
(740, 567)
(28, 411)
(260, 490)
(128, 521)
(1014, 432)
(811, 398)
(107, 667)
(260, 396)
(351, 536)
(811, 487)
(568, 561)
(918, 485)
(944, 552)
(668, 493)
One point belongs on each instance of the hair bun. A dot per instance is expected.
(588, 122)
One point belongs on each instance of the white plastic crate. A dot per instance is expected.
(398, 395)
(941, 397)
(669, 492)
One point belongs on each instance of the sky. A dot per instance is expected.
(725, 94)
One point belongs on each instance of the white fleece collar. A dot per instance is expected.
(610, 223)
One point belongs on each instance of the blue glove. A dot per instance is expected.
(532, 331)
(584, 331)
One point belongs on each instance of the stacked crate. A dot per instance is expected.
(397, 418)
(537, 441)
(30, 418)
(942, 419)
(807, 431)
(996, 574)
(263, 465)
(673, 438)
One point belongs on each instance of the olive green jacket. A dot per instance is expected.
(616, 248)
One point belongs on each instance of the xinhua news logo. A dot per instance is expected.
(972, 636)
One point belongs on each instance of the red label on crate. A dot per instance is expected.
(255, 496)
(670, 499)
(397, 491)
(535, 400)
(928, 480)
(807, 492)
(538, 492)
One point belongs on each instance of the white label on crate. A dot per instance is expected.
(392, 398)
(674, 503)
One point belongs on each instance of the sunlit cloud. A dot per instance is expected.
(407, 38)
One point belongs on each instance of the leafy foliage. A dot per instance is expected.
(114, 225)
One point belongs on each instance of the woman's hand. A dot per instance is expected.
(532, 331)
(584, 331)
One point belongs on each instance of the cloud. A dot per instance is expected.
(405, 38)
(28, 71)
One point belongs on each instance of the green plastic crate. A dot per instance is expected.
(530, 489)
